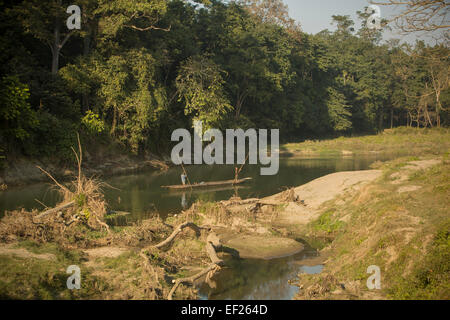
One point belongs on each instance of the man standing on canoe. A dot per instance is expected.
(183, 179)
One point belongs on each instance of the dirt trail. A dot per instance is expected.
(9, 249)
(105, 252)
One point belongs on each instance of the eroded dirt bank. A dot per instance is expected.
(24, 171)
(398, 222)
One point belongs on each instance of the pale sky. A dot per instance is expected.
(315, 15)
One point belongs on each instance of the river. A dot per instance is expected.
(141, 195)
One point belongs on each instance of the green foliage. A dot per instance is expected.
(93, 122)
(16, 115)
(200, 86)
(338, 111)
(327, 223)
(140, 69)
(53, 137)
(133, 14)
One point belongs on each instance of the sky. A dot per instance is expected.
(315, 15)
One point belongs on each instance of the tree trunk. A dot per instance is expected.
(114, 123)
(438, 108)
(86, 51)
(380, 121)
(392, 118)
(55, 50)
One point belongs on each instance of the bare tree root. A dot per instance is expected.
(212, 242)
(103, 224)
(177, 230)
(148, 266)
(152, 273)
(212, 268)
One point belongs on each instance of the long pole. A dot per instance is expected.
(184, 170)
(240, 169)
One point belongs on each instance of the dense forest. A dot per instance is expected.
(137, 70)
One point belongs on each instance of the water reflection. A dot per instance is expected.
(142, 195)
(184, 203)
(251, 279)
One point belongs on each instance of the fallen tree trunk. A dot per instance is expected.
(212, 244)
(251, 201)
(56, 209)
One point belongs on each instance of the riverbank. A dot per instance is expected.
(102, 162)
(23, 171)
(399, 222)
(400, 141)
(394, 216)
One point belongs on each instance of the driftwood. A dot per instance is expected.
(212, 268)
(180, 228)
(212, 243)
(250, 201)
(56, 209)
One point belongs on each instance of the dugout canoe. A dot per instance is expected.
(206, 184)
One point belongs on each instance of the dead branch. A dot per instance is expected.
(419, 15)
(54, 180)
(211, 268)
(56, 209)
(211, 242)
(101, 223)
(180, 228)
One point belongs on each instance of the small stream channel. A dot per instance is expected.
(251, 279)
(142, 195)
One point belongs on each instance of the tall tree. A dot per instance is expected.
(200, 87)
(419, 15)
(45, 20)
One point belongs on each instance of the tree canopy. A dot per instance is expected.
(136, 70)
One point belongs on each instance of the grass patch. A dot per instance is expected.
(405, 234)
(401, 141)
(327, 223)
(45, 279)
(430, 278)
